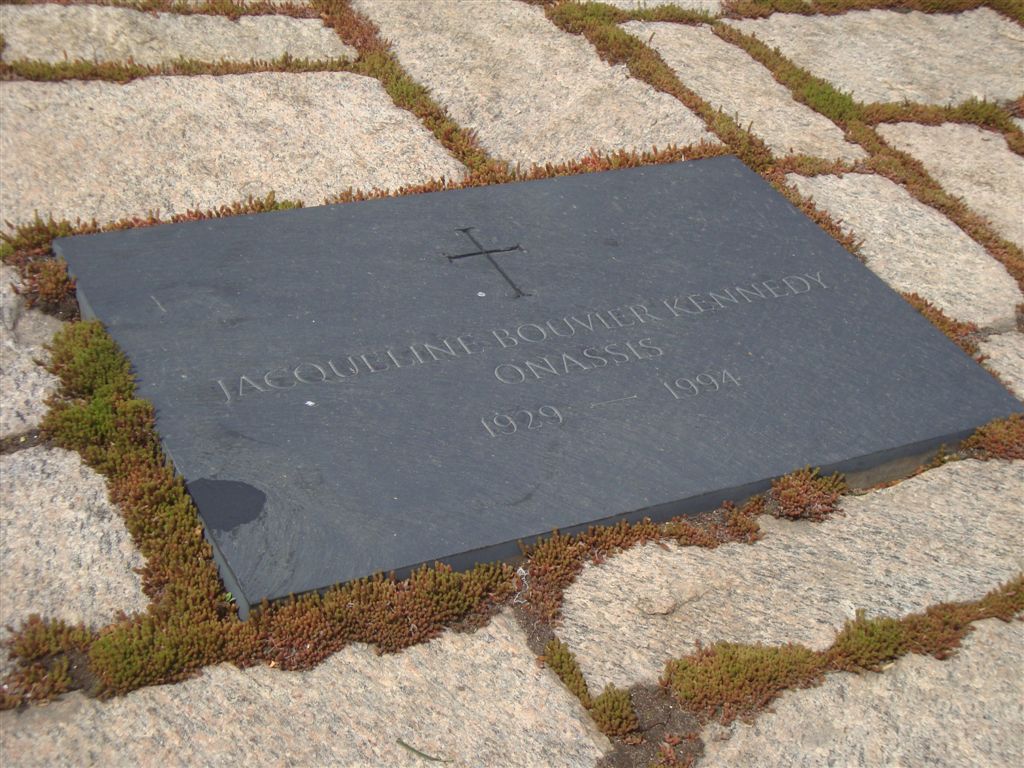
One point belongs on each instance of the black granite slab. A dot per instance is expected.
(367, 387)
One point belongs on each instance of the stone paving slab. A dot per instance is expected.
(1005, 353)
(952, 533)
(476, 699)
(888, 56)
(915, 248)
(531, 93)
(55, 33)
(108, 151)
(24, 382)
(64, 550)
(971, 163)
(963, 711)
(729, 79)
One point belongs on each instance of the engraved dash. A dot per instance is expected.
(616, 400)
(158, 303)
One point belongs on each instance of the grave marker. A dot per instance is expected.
(367, 387)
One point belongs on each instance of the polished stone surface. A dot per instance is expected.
(347, 390)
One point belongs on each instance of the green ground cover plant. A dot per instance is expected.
(726, 681)
(756, 9)
(231, 8)
(123, 72)
(612, 709)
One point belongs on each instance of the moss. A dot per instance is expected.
(865, 644)
(612, 709)
(38, 639)
(123, 72)
(763, 8)
(48, 286)
(805, 495)
(35, 682)
(562, 662)
(999, 439)
(233, 9)
(730, 680)
(613, 712)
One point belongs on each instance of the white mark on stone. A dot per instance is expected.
(157, 302)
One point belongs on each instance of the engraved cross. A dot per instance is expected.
(489, 253)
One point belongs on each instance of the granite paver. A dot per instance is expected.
(916, 249)
(64, 550)
(888, 56)
(963, 711)
(726, 77)
(532, 93)
(24, 382)
(1005, 353)
(106, 151)
(55, 33)
(952, 533)
(475, 699)
(971, 163)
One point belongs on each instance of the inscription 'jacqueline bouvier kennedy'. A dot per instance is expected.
(641, 316)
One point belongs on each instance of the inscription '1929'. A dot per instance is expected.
(523, 419)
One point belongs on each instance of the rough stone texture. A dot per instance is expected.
(1005, 353)
(915, 248)
(24, 383)
(711, 6)
(729, 79)
(952, 533)
(107, 151)
(971, 163)
(64, 550)
(1019, 122)
(471, 699)
(532, 93)
(54, 33)
(963, 711)
(889, 56)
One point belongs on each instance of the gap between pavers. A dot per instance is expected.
(965, 710)
(55, 33)
(711, 6)
(888, 56)
(106, 151)
(914, 248)
(531, 93)
(971, 163)
(726, 77)
(64, 550)
(952, 533)
(478, 699)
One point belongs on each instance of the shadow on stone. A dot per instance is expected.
(227, 504)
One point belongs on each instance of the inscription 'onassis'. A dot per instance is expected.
(340, 369)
